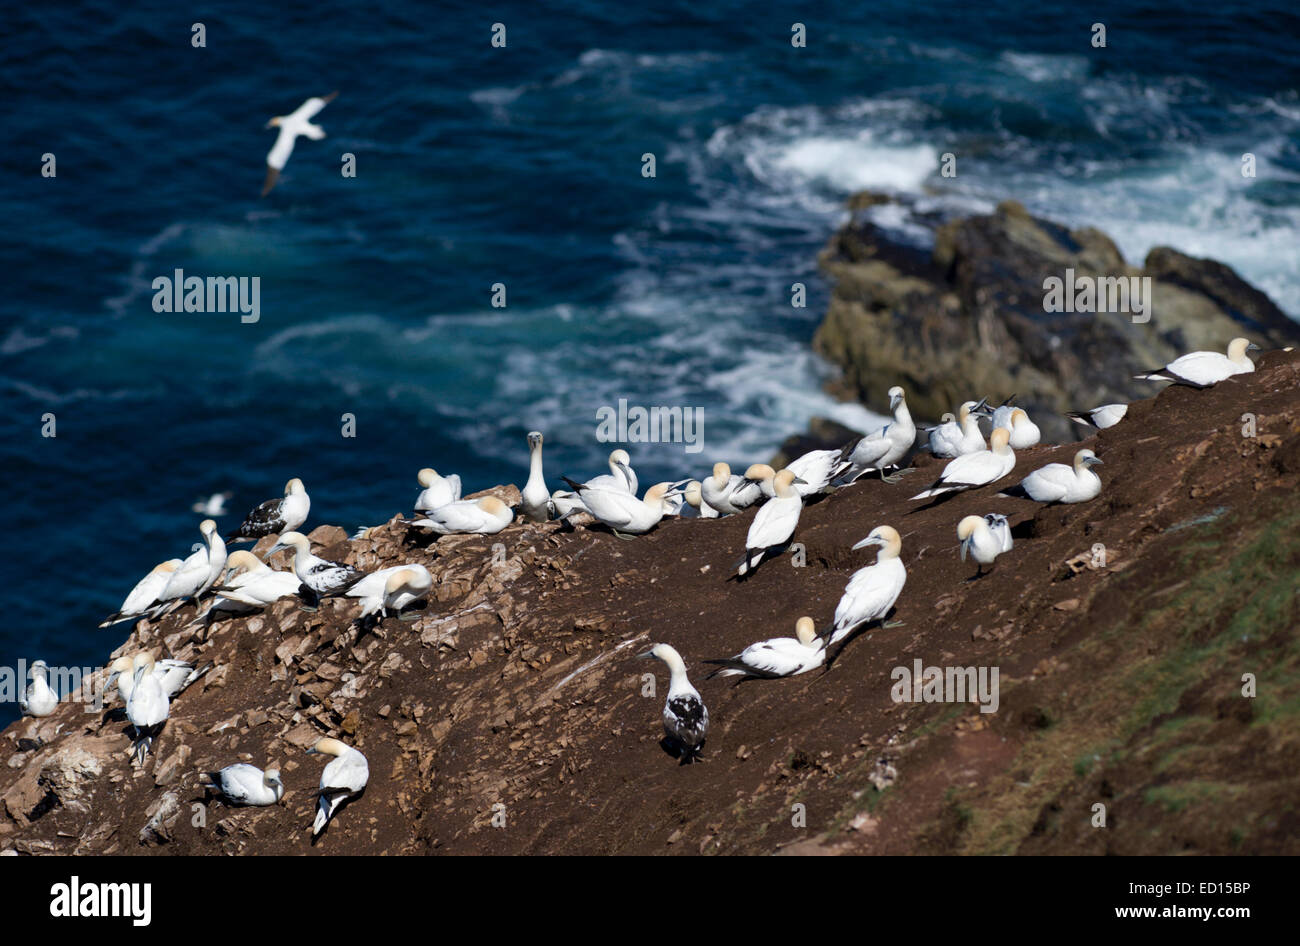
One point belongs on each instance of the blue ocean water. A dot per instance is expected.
(522, 165)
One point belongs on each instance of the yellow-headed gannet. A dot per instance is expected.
(244, 784)
(251, 584)
(621, 510)
(958, 436)
(1108, 415)
(320, 578)
(886, 447)
(726, 492)
(871, 591)
(686, 718)
(487, 515)
(39, 698)
(343, 780)
(197, 573)
(815, 470)
(975, 469)
(391, 589)
(762, 476)
(620, 476)
(298, 122)
(1024, 432)
(774, 523)
(1058, 483)
(144, 596)
(1200, 369)
(172, 675)
(778, 657)
(694, 494)
(535, 500)
(275, 515)
(146, 704)
(979, 541)
(438, 490)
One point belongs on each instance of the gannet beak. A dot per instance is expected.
(869, 540)
(965, 544)
(1091, 460)
(800, 480)
(1253, 347)
(647, 655)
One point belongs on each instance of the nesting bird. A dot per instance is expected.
(486, 515)
(437, 490)
(38, 699)
(883, 449)
(391, 589)
(250, 584)
(685, 717)
(979, 541)
(298, 122)
(1058, 483)
(621, 510)
(727, 493)
(1201, 369)
(243, 784)
(972, 470)
(144, 597)
(960, 435)
(1024, 432)
(621, 476)
(1108, 415)
(342, 780)
(777, 657)
(275, 515)
(871, 591)
(535, 499)
(197, 573)
(320, 578)
(774, 524)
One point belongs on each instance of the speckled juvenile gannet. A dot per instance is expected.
(1058, 483)
(438, 490)
(486, 515)
(251, 584)
(144, 596)
(871, 591)
(978, 541)
(1108, 415)
(39, 698)
(298, 122)
(244, 784)
(960, 436)
(1200, 369)
(685, 717)
(391, 589)
(975, 469)
(275, 515)
(621, 510)
(198, 572)
(320, 578)
(146, 705)
(694, 495)
(213, 507)
(778, 657)
(343, 780)
(535, 500)
(774, 523)
(884, 448)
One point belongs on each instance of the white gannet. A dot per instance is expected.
(1000, 415)
(884, 448)
(438, 490)
(197, 573)
(275, 515)
(694, 494)
(1024, 432)
(146, 704)
(38, 699)
(975, 469)
(244, 784)
(815, 470)
(774, 523)
(1200, 369)
(320, 578)
(298, 122)
(251, 584)
(958, 436)
(871, 591)
(172, 675)
(761, 476)
(343, 780)
(391, 589)
(213, 507)
(486, 515)
(726, 492)
(1058, 483)
(535, 500)
(778, 657)
(686, 718)
(1001, 530)
(144, 596)
(620, 476)
(979, 541)
(621, 510)
(1108, 415)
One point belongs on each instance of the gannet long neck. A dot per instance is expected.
(535, 474)
(903, 416)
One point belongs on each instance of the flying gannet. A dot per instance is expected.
(438, 490)
(685, 717)
(38, 699)
(621, 510)
(244, 784)
(883, 449)
(1201, 369)
(871, 591)
(979, 542)
(778, 657)
(320, 578)
(146, 704)
(694, 494)
(1058, 483)
(199, 572)
(343, 780)
(143, 598)
(958, 436)
(774, 524)
(298, 122)
(975, 469)
(391, 589)
(486, 515)
(213, 507)
(535, 500)
(275, 515)
(1108, 415)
